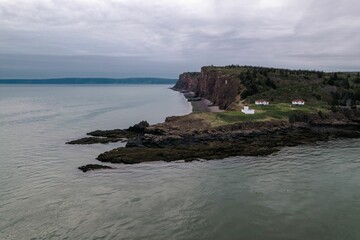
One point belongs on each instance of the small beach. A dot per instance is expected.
(204, 105)
(200, 104)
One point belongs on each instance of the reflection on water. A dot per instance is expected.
(305, 192)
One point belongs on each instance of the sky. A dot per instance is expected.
(163, 38)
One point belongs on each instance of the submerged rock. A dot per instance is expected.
(116, 133)
(93, 140)
(91, 167)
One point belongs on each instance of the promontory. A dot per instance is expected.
(261, 111)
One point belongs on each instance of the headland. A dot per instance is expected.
(217, 128)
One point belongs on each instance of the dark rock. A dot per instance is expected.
(191, 138)
(93, 140)
(189, 95)
(135, 142)
(246, 139)
(194, 99)
(91, 167)
(116, 133)
(139, 128)
(155, 131)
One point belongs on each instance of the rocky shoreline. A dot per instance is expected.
(192, 137)
(207, 134)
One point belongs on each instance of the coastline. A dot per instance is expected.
(195, 136)
(199, 104)
(204, 105)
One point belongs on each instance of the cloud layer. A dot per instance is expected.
(164, 38)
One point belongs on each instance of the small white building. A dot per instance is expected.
(247, 110)
(261, 102)
(298, 102)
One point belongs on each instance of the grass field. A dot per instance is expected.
(264, 113)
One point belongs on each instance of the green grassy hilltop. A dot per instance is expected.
(276, 111)
(231, 87)
(283, 85)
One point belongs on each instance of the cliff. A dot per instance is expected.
(232, 85)
(188, 81)
(220, 88)
(330, 112)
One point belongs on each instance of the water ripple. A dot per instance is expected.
(304, 192)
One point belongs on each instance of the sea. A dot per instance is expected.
(303, 192)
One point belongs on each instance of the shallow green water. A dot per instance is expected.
(305, 192)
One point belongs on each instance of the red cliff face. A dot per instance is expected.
(188, 81)
(218, 87)
(214, 85)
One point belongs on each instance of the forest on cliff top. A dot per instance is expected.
(282, 85)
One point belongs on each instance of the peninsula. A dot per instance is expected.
(329, 111)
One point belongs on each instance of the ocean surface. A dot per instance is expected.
(304, 192)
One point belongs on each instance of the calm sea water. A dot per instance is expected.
(305, 192)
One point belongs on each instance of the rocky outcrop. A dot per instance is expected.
(139, 127)
(189, 138)
(221, 143)
(193, 137)
(116, 135)
(220, 88)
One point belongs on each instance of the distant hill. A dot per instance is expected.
(90, 81)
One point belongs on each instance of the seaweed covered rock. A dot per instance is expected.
(116, 135)
(94, 140)
(91, 167)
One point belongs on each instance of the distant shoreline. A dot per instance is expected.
(90, 81)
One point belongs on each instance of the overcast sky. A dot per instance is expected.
(162, 38)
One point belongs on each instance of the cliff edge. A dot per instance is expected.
(330, 112)
(232, 86)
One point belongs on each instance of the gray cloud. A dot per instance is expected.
(165, 38)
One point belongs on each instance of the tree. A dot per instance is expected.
(250, 90)
(320, 74)
(357, 80)
(270, 83)
(345, 83)
(335, 77)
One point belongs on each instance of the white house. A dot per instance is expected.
(298, 102)
(247, 110)
(261, 102)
